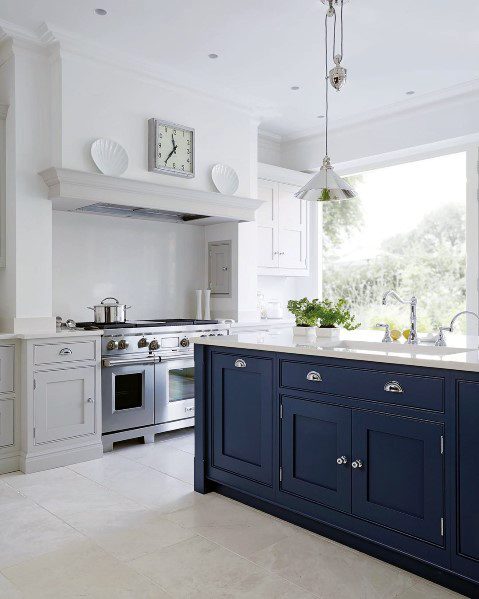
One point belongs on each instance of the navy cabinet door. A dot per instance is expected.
(313, 437)
(242, 413)
(399, 481)
(468, 472)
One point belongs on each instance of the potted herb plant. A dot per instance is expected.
(334, 316)
(305, 313)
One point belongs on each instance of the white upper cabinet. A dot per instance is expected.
(267, 219)
(282, 230)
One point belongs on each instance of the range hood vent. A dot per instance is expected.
(93, 193)
(141, 213)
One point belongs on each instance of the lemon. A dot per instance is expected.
(406, 333)
(395, 334)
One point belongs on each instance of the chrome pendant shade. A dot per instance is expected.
(326, 185)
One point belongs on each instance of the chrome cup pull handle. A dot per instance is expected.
(393, 387)
(65, 351)
(314, 376)
(240, 363)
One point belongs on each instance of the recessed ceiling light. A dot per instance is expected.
(213, 55)
(295, 87)
(410, 93)
(101, 12)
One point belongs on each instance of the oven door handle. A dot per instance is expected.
(111, 362)
(178, 357)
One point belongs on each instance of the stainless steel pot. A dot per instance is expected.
(107, 312)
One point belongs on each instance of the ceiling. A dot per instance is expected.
(267, 46)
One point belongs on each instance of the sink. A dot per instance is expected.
(395, 348)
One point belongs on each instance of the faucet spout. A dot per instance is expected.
(413, 338)
(451, 326)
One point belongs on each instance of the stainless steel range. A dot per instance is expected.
(148, 376)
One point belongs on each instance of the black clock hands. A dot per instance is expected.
(173, 151)
(170, 155)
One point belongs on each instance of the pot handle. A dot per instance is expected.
(107, 298)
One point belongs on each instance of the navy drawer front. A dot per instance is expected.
(394, 388)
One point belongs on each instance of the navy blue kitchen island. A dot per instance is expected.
(382, 457)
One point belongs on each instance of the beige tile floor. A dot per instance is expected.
(130, 526)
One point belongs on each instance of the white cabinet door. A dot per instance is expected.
(6, 422)
(292, 228)
(267, 220)
(7, 356)
(64, 404)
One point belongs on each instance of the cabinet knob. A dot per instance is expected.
(357, 464)
(240, 363)
(90, 400)
(342, 460)
(314, 376)
(65, 351)
(393, 387)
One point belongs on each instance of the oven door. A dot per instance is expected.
(174, 389)
(127, 394)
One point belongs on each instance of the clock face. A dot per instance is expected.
(171, 149)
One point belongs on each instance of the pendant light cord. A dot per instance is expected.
(334, 54)
(326, 77)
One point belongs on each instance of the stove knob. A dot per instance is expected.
(143, 342)
(220, 334)
(123, 344)
(112, 344)
(185, 342)
(154, 345)
(211, 335)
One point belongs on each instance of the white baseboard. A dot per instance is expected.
(65, 457)
(9, 464)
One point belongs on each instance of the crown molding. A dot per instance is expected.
(450, 95)
(165, 76)
(269, 136)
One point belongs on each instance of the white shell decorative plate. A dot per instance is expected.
(225, 179)
(110, 158)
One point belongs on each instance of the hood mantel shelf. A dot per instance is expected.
(71, 190)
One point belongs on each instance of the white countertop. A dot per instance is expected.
(283, 341)
(64, 334)
(262, 323)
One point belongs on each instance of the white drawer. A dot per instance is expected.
(7, 358)
(6, 422)
(58, 353)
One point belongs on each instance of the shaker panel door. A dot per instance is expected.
(242, 413)
(399, 480)
(314, 436)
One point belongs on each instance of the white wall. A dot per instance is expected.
(101, 100)
(25, 284)
(153, 266)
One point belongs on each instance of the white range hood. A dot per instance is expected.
(77, 191)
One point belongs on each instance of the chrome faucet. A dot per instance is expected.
(412, 339)
(441, 341)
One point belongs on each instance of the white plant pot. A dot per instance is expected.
(332, 333)
(304, 331)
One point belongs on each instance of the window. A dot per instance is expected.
(406, 231)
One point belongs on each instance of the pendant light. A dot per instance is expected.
(327, 185)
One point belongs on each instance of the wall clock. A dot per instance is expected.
(171, 148)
